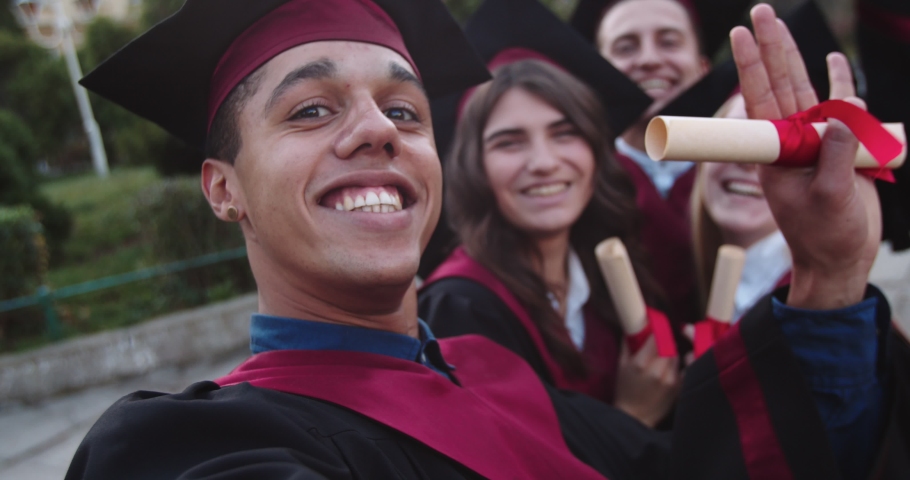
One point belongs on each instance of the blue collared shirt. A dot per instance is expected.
(662, 174)
(838, 353)
(279, 333)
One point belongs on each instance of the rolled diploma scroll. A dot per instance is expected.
(732, 140)
(622, 284)
(727, 272)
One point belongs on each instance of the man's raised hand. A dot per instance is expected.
(828, 213)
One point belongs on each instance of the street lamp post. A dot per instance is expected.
(62, 37)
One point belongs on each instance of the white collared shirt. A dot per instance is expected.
(577, 293)
(662, 174)
(766, 262)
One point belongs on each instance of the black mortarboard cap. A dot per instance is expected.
(165, 74)
(500, 25)
(884, 48)
(714, 19)
(811, 34)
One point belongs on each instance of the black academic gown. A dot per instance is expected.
(456, 306)
(745, 412)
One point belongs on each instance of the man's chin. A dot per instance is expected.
(380, 269)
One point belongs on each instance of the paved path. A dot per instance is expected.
(37, 441)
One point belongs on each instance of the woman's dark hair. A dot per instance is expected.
(509, 252)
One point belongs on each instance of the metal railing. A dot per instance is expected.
(45, 296)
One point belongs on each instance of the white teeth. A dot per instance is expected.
(373, 202)
(546, 190)
(654, 83)
(743, 188)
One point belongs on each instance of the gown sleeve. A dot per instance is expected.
(150, 435)
(748, 411)
(612, 442)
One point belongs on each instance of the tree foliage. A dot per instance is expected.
(19, 181)
(34, 84)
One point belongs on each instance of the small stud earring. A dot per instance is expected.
(232, 213)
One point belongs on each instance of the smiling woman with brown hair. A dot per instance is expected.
(531, 190)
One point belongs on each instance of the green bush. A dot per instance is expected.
(178, 224)
(18, 149)
(40, 92)
(24, 260)
(23, 266)
(19, 182)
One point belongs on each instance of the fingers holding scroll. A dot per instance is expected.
(773, 76)
(826, 212)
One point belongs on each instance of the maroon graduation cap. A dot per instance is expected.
(177, 73)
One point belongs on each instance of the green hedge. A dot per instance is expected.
(19, 182)
(23, 266)
(178, 224)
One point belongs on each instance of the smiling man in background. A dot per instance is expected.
(655, 43)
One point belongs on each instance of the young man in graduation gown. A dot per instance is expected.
(659, 46)
(308, 106)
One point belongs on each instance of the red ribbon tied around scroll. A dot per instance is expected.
(707, 332)
(659, 326)
(800, 143)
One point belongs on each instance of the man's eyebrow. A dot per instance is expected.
(400, 74)
(320, 69)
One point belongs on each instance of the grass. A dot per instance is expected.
(107, 240)
(102, 210)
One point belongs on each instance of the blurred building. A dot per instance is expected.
(81, 12)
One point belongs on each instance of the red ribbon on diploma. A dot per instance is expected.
(800, 143)
(659, 326)
(707, 332)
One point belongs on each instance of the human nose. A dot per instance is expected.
(542, 158)
(648, 55)
(369, 132)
